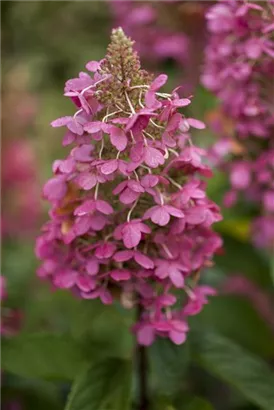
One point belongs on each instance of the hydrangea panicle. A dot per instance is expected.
(128, 205)
(239, 69)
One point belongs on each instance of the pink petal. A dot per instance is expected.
(167, 300)
(174, 211)
(118, 138)
(160, 216)
(161, 271)
(177, 337)
(184, 125)
(179, 325)
(106, 297)
(81, 225)
(55, 188)
(106, 250)
(176, 278)
(91, 295)
(92, 127)
(97, 136)
(181, 102)
(75, 126)
(131, 235)
(68, 138)
(86, 208)
(168, 140)
(120, 274)
(85, 283)
(93, 66)
(128, 197)
(103, 207)
(84, 104)
(98, 222)
(153, 157)
(86, 181)
(137, 152)
(145, 335)
(65, 279)
(173, 123)
(109, 167)
(206, 290)
(196, 123)
(92, 267)
(144, 228)
(123, 256)
(120, 187)
(123, 167)
(60, 122)
(135, 186)
(151, 101)
(149, 181)
(143, 260)
(162, 326)
(159, 82)
(82, 153)
(67, 166)
(195, 215)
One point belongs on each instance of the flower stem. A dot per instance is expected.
(142, 368)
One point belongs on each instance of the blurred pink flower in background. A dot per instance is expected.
(239, 69)
(21, 205)
(166, 32)
(260, 299)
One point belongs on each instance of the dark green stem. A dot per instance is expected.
(142, 368)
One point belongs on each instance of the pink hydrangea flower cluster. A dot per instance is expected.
(239, 69)
(155, 41)
(21, 206)
(129, 210)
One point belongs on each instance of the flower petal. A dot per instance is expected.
(55, 188)
(153, 157)
(104, 207)
(118, 138)
(120, 274)
(160, 216)
(196, 123)
(60, 122)
(109, 167)
(145, 335)
(123, 256)
(86, 208)
(131, 235)
(143, 260)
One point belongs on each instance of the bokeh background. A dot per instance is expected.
(43, 44)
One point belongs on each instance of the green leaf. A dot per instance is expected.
(31, 394)
(182, 401)
(168, 364)
(237, 367)
(242, 323)
(105, 384)
(194, 403)
(242, 257)
(42, 355)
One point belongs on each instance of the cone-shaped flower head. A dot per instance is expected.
(128, 206)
